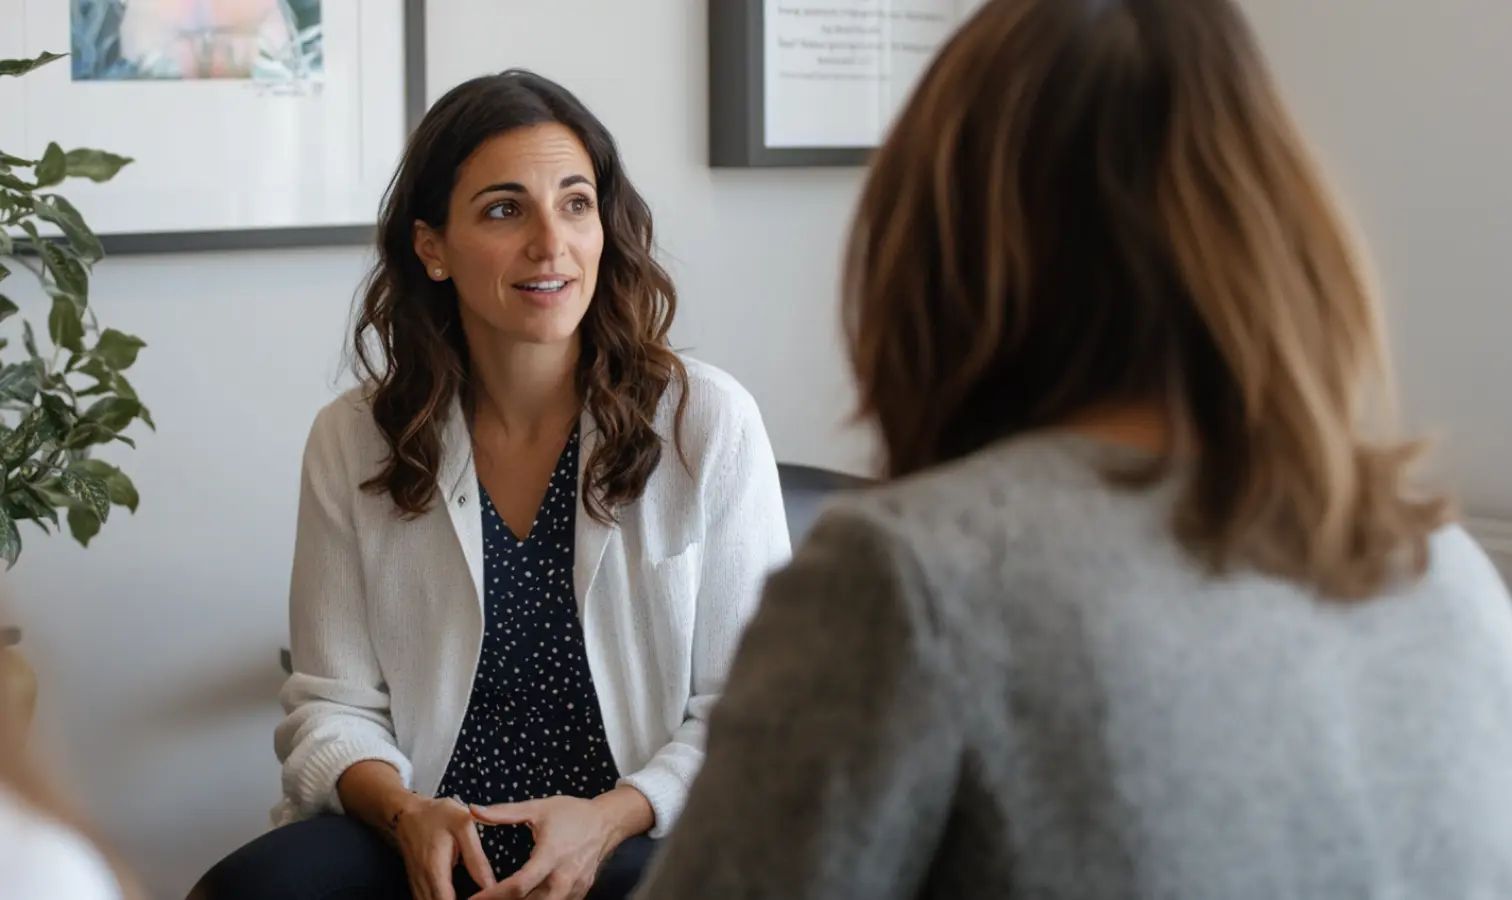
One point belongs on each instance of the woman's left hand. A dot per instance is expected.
(573, 837)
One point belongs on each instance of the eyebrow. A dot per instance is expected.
(514, 187)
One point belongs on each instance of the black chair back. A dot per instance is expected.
(805, 490)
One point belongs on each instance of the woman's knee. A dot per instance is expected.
(317, 859)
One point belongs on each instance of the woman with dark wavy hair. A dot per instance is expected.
(527, 543)
(1153, 606)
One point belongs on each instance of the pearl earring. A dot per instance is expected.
(439, 273)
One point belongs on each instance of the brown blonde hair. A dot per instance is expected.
(1089, 203)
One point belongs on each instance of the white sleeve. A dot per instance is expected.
(745, 540)
(41, 859)
(336, 701)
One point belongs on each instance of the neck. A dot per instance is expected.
(528, 389)
(1143, 426)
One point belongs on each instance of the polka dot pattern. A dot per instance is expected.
(533, 728)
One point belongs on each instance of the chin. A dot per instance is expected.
(554, 329)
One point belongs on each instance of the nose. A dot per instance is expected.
(548, 241)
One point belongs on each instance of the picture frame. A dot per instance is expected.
(232, 149)
(815, 83)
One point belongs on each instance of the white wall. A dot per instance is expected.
(157, 646)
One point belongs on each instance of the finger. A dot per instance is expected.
(580, 889)
(531, 876)
(504, 813)
(419, 886)
(475, 859)
(438, 868)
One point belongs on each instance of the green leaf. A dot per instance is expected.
(22, 66)
(25, 501)
(83, 524)
(10, 539)
(29, 340)
(40, 427)
(97, 390)
(10, 201)
(68, 272)
(87, 434)
(95, 367)
(8, 308)
(88, 490)
(117, 349)
(96, 165)
(15, 183)
(60, 414)
(122, 491)
(53, 168)
(18, 382)
(7, 160)
(55, 420)
(122, 387)
(65, 325)
(34, 238)
(58, 211)
(7, 246)
(32, 432)
(114, 413)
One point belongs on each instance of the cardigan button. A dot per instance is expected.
(462, 500)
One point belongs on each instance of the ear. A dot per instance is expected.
(431, 251)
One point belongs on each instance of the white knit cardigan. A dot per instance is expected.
(386, 615)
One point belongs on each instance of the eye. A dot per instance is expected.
(580, 205)
(502, 210)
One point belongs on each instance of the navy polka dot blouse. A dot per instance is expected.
(533, 728)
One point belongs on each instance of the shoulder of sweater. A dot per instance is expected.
(719, 409)
(948, 512)
(713, 393)
(344, 436)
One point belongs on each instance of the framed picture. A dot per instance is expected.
(250, 123)
(815, 82)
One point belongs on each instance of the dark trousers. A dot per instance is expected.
(339, 858)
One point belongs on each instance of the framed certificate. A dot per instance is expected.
(815, 82)
(250, 123)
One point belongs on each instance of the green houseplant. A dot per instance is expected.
(57, 406)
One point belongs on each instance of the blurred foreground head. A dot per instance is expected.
(1102, 205)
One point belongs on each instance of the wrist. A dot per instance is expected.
(625, 813)
(398, 804)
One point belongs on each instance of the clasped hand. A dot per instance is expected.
(572, 840)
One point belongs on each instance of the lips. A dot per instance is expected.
(543, 285)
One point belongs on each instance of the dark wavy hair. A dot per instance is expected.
(408, 342)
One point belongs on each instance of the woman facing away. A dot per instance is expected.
(527, 544)
(46, 849)
(1149, 607)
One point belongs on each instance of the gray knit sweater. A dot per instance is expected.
(1005, 680)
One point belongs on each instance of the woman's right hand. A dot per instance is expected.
(432, 835)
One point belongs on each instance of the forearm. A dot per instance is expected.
(627, 811)
(373, 792)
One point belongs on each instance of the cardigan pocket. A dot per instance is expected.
(671, 595)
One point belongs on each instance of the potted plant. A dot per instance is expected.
(61, 402)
